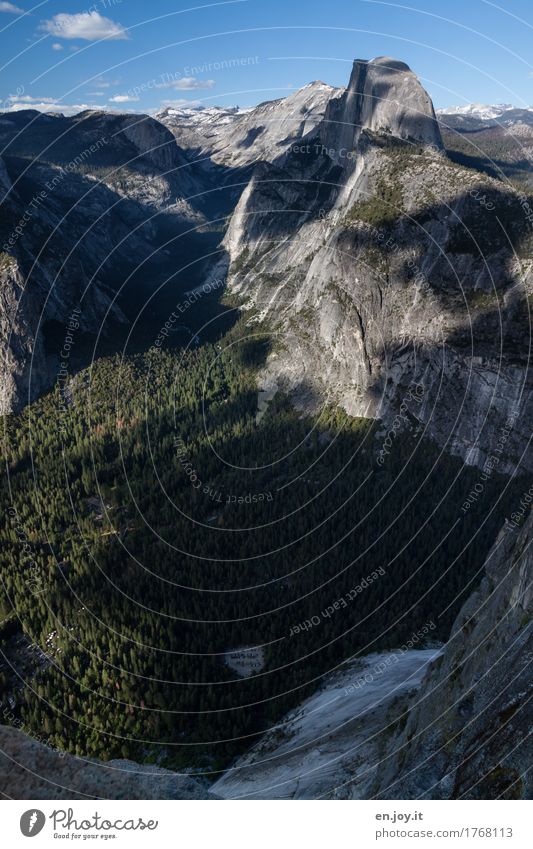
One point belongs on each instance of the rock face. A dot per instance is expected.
(224, 145)
(382, 265)
(383, 96)
(85, 202)
(467, 734)
(31, 770)
(236, 138)
(18, 344)
(99, 200)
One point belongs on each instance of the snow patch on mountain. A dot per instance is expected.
(482, 111)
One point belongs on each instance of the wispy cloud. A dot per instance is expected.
(57, 46)
(187, 84)
(101, 82)
(10, 8)
(89, 26)
(123, 98)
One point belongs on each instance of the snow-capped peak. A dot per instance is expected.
(200, 113)
(482, 111)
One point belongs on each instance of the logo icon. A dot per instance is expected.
(32, 822)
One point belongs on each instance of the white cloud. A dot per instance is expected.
(51, 104)
(123, 98)
(188, 84)
(89, 26)
(46, 105)
(56, 46)
(9, 7)
(27, 98)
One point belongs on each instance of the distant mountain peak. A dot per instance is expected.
(383, 95)
(483, 111)
(317, 84)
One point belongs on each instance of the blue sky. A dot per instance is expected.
(128, 54)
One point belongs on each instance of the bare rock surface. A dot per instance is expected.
(31, 770)
(332, 737)
(467, 734)
(240, 137)
(85, 202)
(384, 265)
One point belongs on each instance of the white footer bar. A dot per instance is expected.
(268, 824)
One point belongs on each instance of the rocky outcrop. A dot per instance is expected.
(383, 96)
(329, 744)
(123, 151)
(224, 145)
(383, 264)
(18, 345)
(236, 138)
(31, 770)
(467, 734)
(86, 202)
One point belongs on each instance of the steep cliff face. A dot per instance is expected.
(125, 152)
(381, 264)
(88, 204)
(224, 145)
(467, 733)
(17, 342)
(329, 746)
(383, 96)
